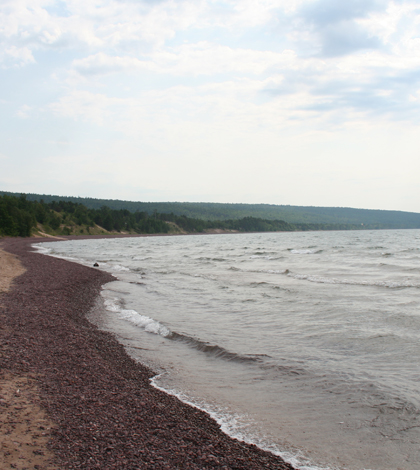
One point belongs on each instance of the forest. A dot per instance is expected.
(22, 217)
(339, 217)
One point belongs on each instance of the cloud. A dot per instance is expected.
(83, 105)
(125, 26)
(132, 29)
(33, 25)
(203, 58)
(366, 86)
(234, 106)
(13, 56)
(338, 26)
(24, 112)
(322, 13)
(361, 58)
(101, 63)
(346, 38)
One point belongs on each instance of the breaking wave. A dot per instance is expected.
(215, 350)
(152, 326)
(142, 321)
(304, 251)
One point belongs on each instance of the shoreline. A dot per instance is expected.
(106, 414)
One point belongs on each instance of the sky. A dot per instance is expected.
(300, 102)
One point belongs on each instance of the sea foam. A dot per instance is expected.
(142, 321)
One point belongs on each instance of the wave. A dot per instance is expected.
(105, 264)
(284, 370)
(166, 271)
(271, 258)
(331, 280)
(202, 276)
(50, 252)
(214, 349)
(206, 258)
(138, 270)
(270, 271)
(42, 249)
(304, 251)
(153, 326)
(142, 321)
(237, 426)
(119, 268)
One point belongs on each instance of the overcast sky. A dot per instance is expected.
(301, 102)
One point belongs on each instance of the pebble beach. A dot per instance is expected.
(71, 398)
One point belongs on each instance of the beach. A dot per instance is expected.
(72, 396)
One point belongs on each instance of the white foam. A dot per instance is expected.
(142, 321)
(303, 252)
(41, 249)
(49, 252)
(118, 268)
(235, 426)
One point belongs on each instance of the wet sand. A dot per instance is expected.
(72, 396)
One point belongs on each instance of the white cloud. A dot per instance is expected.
(92, 24)
(235, 104)
(214, 84)
(102, 63)
(203, 58)
(131, 26)
(24, 112)
(11, 55)
(93, 107)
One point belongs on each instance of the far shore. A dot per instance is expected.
(72, 398)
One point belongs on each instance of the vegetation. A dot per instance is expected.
(16, 217)
(22, 216)
(318, 218)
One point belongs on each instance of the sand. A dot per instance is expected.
(10, 267)
(24, 424)
(71, 398)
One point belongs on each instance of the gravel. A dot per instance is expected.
(107, 415)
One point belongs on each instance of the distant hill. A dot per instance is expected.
(375, 219)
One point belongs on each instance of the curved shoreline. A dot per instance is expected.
(106, 412)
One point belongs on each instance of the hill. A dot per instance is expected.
(374, 219)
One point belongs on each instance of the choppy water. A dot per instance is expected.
(307, 344)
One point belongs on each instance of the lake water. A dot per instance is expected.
(307, 344)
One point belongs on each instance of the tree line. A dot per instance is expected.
(20, 216)
(311, 216)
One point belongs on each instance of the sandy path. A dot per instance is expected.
(25, 428)
(10, 267)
